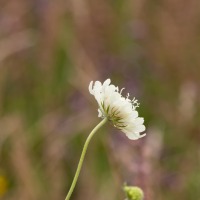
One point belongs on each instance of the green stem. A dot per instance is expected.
(83, 156)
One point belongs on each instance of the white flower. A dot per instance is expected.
(119, 110)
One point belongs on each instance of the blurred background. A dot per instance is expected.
(51, 50)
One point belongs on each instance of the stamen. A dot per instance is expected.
(121, 90)
(135, 103)
(127, 96)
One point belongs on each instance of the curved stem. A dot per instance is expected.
(83, 156)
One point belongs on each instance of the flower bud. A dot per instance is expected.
(133, 193)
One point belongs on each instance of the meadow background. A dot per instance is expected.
(51, 50)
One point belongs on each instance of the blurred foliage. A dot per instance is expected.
(50, 51)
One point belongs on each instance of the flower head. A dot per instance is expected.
(121, 111)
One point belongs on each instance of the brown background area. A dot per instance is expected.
(51, 50)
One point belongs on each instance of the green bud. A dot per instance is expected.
(133, 193)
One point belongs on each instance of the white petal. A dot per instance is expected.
(110, 89)
(107, 82)
(132, 136)
(90, 87)
(144, 134)
(100, 113)
(98, 98)
(134, 114)
(97, 86)
(139, 120)
(140, 128)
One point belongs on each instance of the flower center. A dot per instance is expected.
(113, 115)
